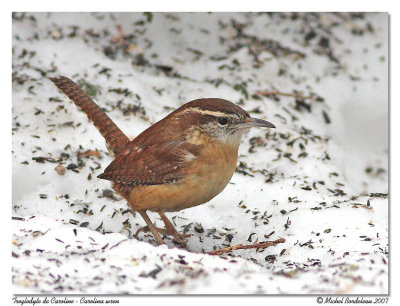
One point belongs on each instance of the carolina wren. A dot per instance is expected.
(181, 161)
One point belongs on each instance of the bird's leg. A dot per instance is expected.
(169, 230)
(146, 229)
(151, 227)
(178, 237)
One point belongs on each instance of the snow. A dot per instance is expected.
(321, 186)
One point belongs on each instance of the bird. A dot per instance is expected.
(184, 160)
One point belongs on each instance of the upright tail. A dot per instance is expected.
(115, 138)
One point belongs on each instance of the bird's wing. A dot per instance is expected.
(151, 164)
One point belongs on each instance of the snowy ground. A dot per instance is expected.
(320, 180)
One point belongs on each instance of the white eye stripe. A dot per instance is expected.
(209, 112)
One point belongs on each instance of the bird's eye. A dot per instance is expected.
(222, 120)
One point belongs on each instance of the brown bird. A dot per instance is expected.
(183, 160)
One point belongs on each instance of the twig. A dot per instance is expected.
(250, 246)
(88, 153)
(287, 94)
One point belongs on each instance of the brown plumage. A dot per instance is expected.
(157, 155)
(115, 138)
(183, 160)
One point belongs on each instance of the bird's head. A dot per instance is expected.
(218, 118)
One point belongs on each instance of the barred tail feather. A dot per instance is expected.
(115, 138)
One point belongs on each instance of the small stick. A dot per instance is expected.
(276, 93)
(250, 246)
(88, 153)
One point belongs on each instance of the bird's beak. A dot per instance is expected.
(252, 122)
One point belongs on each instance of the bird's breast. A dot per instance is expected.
(211, 172)
(205, 177)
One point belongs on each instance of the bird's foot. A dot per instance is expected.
(177, 237)
(180, 238)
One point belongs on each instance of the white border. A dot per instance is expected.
(205, 5)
